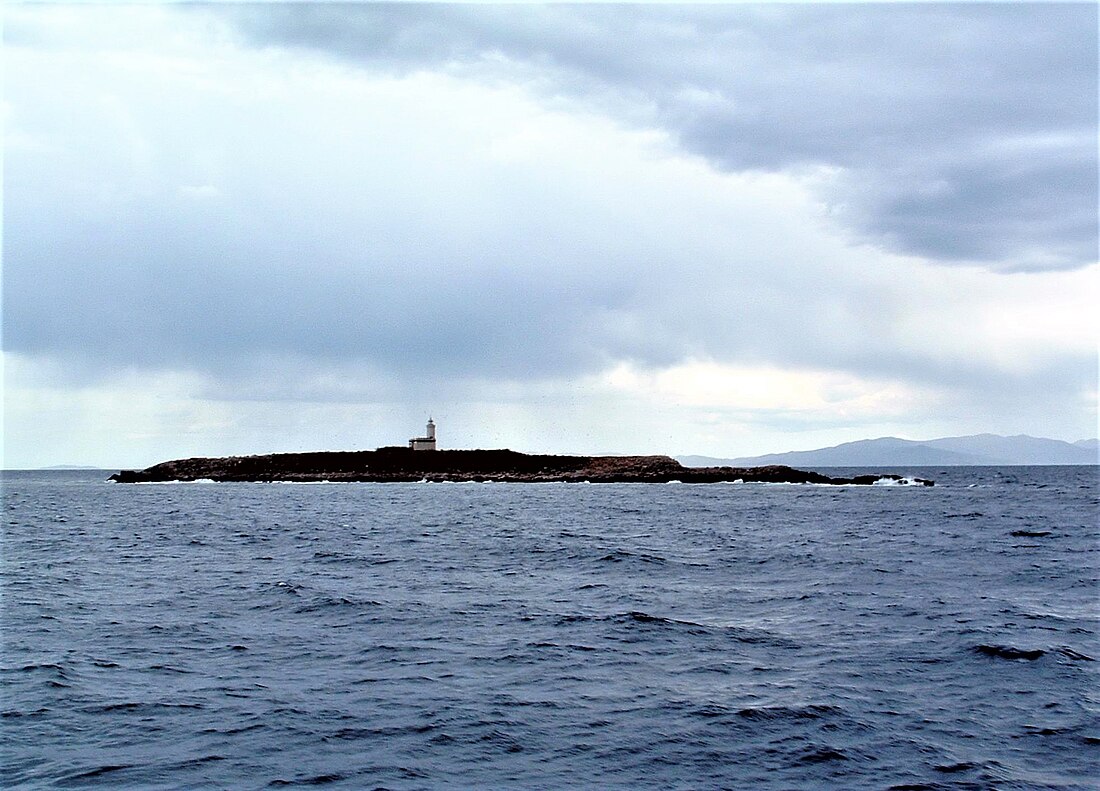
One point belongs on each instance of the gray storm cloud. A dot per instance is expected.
(212, 220)
(968, 132)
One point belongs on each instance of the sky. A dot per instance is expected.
(569, 228)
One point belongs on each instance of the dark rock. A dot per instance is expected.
(403, 464)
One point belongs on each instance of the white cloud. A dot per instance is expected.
(229, 250)
(711, 386)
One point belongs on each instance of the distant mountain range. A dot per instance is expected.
(73, 467)
(979, 449)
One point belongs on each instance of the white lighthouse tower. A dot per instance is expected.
(427, 442)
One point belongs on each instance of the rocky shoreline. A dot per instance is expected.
(400, 464)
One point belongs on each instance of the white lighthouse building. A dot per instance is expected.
(427, 442)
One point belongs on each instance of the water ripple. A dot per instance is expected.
(411, 636)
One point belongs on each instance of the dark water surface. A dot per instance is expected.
(547, 636)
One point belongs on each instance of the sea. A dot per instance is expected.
(550, 636)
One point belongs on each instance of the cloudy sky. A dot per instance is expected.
(716, 229)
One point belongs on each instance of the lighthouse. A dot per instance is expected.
(427, 442)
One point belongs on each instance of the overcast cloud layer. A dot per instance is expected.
(958, 128)
(735, 228)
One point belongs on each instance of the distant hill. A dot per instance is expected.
(73, 467)
(979, 449)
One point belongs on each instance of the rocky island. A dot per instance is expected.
(401, 464)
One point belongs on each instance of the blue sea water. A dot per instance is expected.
(408, 636)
